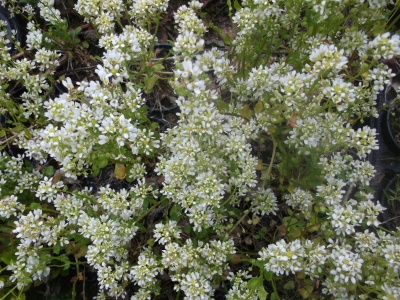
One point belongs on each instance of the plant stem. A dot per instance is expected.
(246, 212)
(362, 71)
(272, 158)
(347, 195)
(76, 279)
(149, 210)
(9, 292)
(274, 288)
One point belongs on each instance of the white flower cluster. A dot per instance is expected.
(48, 12)
(283, 258)
(165, 233)
(265, 202)
(102, 13)
(142, 11)
(4, 41)
(121, 50)
(201, 263)
(85, 125)
(301, 200)
(239, 289)
(327, 57)
(191, 30)
(341, 171)
(252, 18)
(307, 98)
(209, 154)
(385, 46)
(107, 219)
(34, 230)
(14, 177)
(203, 147)
(346, 271)
(9, 206)
(34, 38)
(326, 131)
(147, 268)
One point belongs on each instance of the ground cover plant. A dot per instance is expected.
(257, 187)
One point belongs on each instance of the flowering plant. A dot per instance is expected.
(260, 188)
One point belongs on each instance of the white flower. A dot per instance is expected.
(265, 202)
(385, 46)
(283, 258)
(347, 265)
(165, 233)
(301, 200)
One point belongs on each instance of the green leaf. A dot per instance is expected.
(258, 263)
(268, 275)
(75, 31)
(227, 39)
(96, 170)
(120, 171)
(255, 283)
(6, 229)
(102, 163)
(289, 221)
(48, 171)
(57, 249)
(262, 293)
(145, 204)
(82, 251)
(274, 296)
(128, 177)
(187, 229)
(157, 67)
(306, 291)
(85, 44)
(236, 5)
(150, 82)
(289, 285)
(175, 213)
(54, 273)
(222, 106)
(67, 265)
(9, 256)
(259, 107)
(141, 227)
(34, 206)
(64, 272)
(246, 112)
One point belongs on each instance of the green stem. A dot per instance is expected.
(246, 212)
(9, 292)
(76, 279)
(149, 210)
(272, 158)
(274, 288)
(393, 22)
(167, 73)
(128, 16)
(1, 270)
(229, 198)
(347, 195)
(259, 53)
(47, 210)
(362, 71)
(178, 294)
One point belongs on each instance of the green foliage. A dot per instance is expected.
(263, 155)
